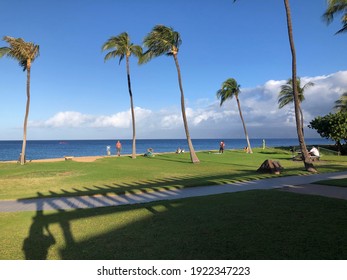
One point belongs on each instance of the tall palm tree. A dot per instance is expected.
(120, 46)
(228, 90)
(306, 157)
(341, 103)
(165, 40)
(25, 53)
(286, 95)
(336, 7)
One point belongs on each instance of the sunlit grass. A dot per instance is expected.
(118, 175)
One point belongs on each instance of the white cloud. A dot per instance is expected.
(61, 119)
(259, 106)
(77, 119)
(170, 121)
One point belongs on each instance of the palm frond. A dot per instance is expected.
(161, 40)
(145, 57)
(307, 85)
(336, 7)
(24, 52)
(341, 103)
(121, 47)
(343, 29)
(116, 53)
(228, 90)
(136, 50)
(286, 95)
(4, 51)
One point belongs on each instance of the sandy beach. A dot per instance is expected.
(78, 159)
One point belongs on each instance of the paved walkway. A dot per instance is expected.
(299, 184)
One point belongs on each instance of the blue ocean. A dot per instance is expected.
(43, 149)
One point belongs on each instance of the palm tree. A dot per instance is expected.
(165, 40)
(335, 7)
(286, 95)
(306, 157)
(341, 103)
(228, 90)
(25, 53)
(120, 46)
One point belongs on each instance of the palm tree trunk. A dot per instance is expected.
(302, 121)
(23, 155)
(244, 125)
(132, 109)
(193, 156)
(306, 157)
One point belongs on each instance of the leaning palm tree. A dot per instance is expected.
(299, 129)
(341, 103)
(228, 90)
(165, 40)
(306, 157)
(25, 53)
(336, 7)
(120, 46)
(286, 95)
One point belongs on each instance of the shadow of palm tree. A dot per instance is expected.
(168, 183)
(231, 226)
(40, 238)
(36, 245)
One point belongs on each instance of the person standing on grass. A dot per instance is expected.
(118, 147)
(221, 147)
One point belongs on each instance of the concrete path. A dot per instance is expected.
(300, 184)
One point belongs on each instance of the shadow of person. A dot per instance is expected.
(36, 245)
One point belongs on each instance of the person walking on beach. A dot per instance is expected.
(221, 147)
(118, 147)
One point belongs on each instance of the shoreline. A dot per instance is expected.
(81, 158)
(94, 158)
(89, 149)
(72, 158)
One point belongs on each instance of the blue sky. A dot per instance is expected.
(76, 95)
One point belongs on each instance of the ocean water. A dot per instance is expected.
(43, 149)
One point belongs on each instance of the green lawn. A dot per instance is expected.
(336, 182)
(245, 225)
(119, 175)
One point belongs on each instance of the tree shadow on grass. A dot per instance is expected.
(40, 238)
(246, 225)
(36, 245)
(152, 185)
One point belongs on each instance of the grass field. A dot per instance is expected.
(337, 182)
(245, 225)
(119, 175)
